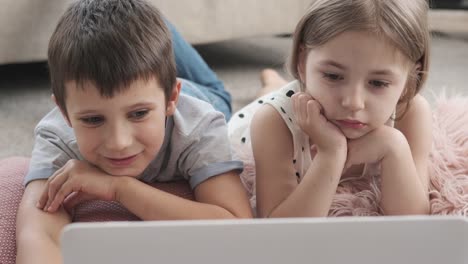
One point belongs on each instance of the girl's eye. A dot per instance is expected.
(92, 120)
(378, 84)
(332, 76)
(138, 114)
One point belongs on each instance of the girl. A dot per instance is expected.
(353, 112)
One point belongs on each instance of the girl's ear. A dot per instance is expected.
(173, 99)
(412, 84)
(414, 80)
(64, 113)
(417, 68)
(301, 63)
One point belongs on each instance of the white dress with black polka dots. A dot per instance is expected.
(239, 135)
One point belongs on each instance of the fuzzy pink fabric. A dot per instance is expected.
(12, 171)
(448, 169)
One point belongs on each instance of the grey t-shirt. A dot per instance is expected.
(195, 147)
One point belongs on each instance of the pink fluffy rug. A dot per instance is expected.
(448, 169)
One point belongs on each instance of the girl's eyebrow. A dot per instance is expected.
(342, 67)
(332, 63)
(383, 72)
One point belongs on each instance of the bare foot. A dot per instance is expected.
(271, 81)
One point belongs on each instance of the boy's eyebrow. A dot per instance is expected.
(137, 105)
(141, 104)
(85, 112)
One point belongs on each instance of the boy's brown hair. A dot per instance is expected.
(110, 43)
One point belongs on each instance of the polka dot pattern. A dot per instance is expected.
(239, 134)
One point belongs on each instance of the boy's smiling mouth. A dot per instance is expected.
(122, 162)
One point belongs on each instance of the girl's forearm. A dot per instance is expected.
(314, 194)
(402, 190)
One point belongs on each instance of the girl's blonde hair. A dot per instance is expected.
(402, 22)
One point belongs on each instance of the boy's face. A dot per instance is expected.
(123, 134)
(358, 78)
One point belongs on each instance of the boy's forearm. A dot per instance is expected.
(149, 203)
(313, 196)
(402, 190)
(37, 248)
(38, 232)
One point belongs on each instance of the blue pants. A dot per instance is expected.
(198, 80)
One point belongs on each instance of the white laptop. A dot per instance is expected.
(383, 240)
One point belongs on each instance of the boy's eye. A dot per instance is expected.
(138, 114)
(332, 76)
(92, 120)
(378, 84)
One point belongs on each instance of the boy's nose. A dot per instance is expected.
(354, 100)
(118, 138)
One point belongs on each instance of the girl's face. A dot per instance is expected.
(358, 78)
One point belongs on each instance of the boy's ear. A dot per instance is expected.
(301, 63)
(173, 99)
(61, 110)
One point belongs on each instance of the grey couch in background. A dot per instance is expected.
(26, 25)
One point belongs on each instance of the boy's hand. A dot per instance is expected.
(324, 134)
(371, 147)
(79, 178)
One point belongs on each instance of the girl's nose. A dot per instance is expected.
(354, 100)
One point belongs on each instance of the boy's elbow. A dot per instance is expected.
(235, 214)
(238, 215)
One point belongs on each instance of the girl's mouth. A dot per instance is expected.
(348, 123)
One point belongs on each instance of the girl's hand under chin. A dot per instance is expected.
(372, 147)
(327, 137)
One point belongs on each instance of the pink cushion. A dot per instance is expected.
(12, 171)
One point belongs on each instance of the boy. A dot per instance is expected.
(121, 122)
